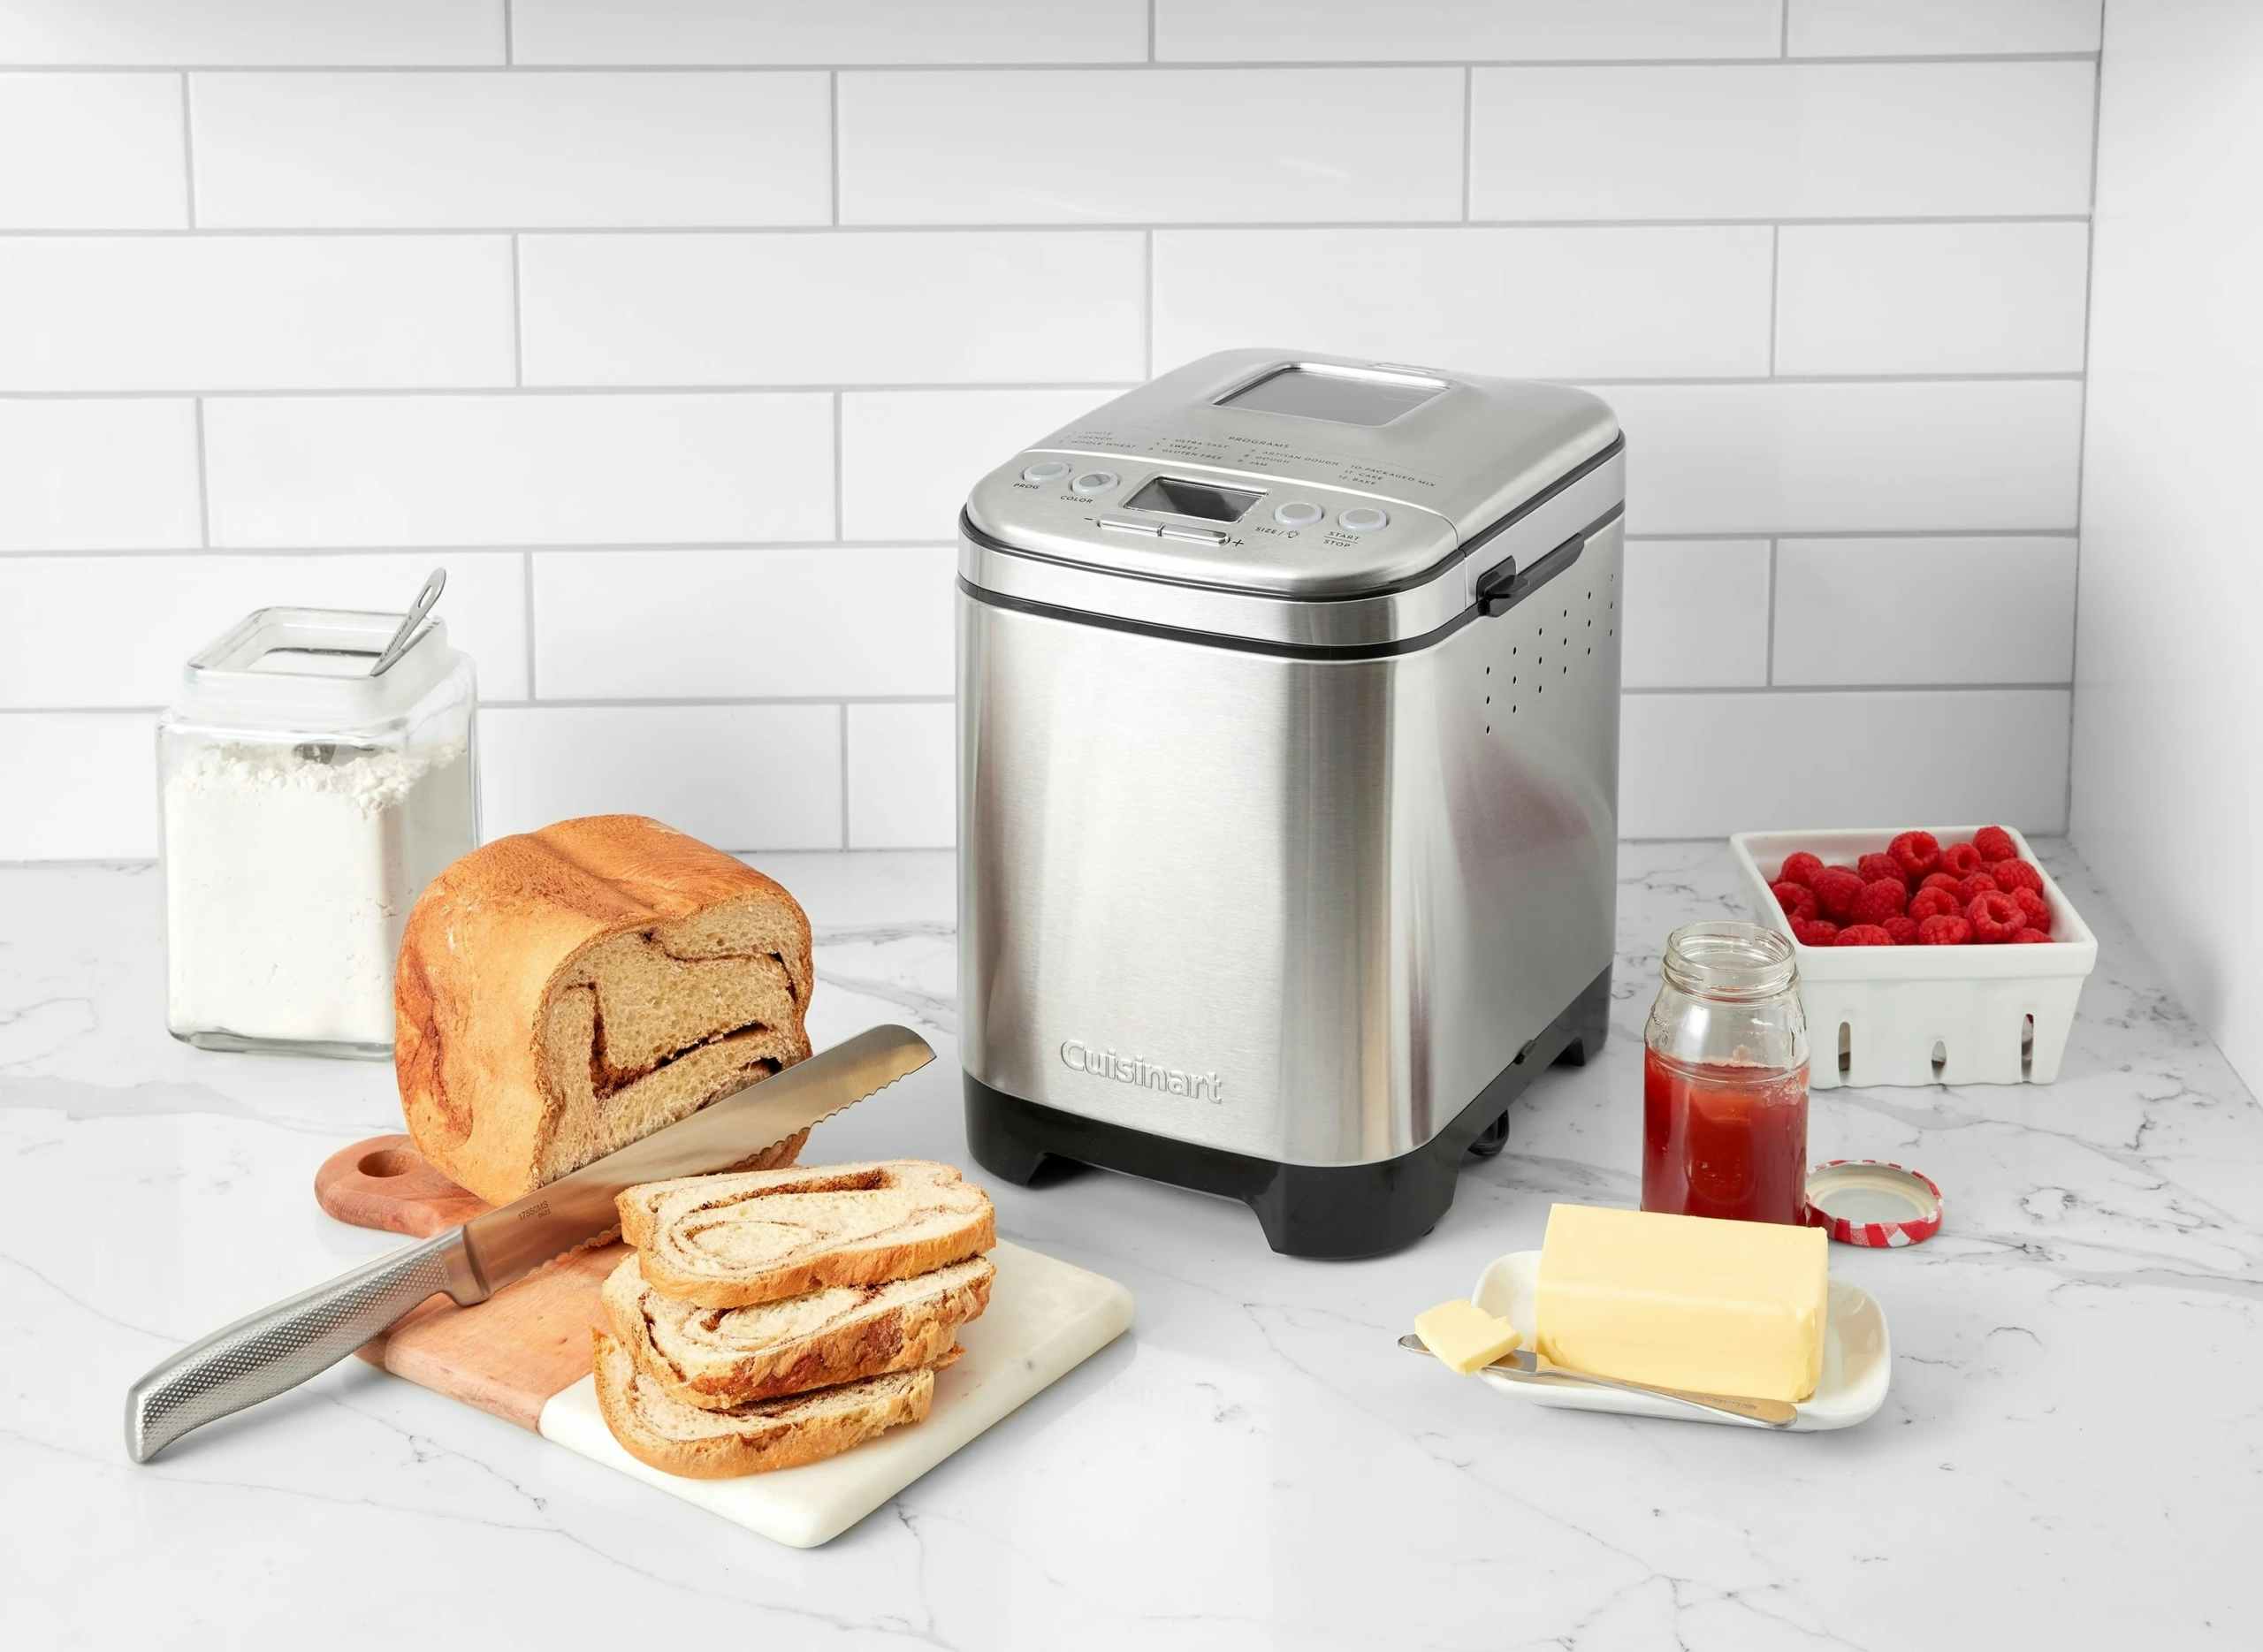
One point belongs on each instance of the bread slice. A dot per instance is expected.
(563, 993)
(738, 1240)
(680, 1439)
(718, 1358)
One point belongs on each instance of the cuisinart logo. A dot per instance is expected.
(1080, 1057)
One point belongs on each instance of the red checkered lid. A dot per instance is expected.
(1869, 1201)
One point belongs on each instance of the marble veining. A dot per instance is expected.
(2072, 1453)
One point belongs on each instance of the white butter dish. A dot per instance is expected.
(1857, 1357)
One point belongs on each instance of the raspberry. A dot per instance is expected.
(1962, 860)
(1880, 900)
(2034, 910)
(1972, 888)
(1904, 930)
(1995, 844)
(1835, 889)
(1863, 935)
(1800, 868)
(1917, 853)
(1994, 917)
(1797, 899)
(2016, 874)
(1814, 932)
(1944, 930)
(1933, 901)
(1847, 866)
(1874, 867)
(2032, 938)
(1940, 880)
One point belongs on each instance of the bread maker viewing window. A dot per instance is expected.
(1305, 391)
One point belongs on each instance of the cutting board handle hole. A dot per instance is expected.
(387, 1161)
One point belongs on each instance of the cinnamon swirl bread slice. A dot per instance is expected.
(715, 1358)
(753, 1439)
(738, 1240)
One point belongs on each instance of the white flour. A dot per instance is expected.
(287, 881)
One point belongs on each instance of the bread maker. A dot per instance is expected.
(1288, 749)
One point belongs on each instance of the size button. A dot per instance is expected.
(1297, 514)
(1362, 519)
(1045, 470)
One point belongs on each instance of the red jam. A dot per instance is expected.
(1724, 1139)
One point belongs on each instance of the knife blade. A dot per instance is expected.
(271, 1352)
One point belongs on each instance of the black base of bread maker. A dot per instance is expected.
(1333, 1211)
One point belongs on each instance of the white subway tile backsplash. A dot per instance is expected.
(1544, 304)
(169, 34)
(512, 470)
(1219, 31)
(1932, 298)
(701, 32)
(1782, 141)
(1697, 614)
(121, 134)
(1129, 146)
(1705, 765)
(114, 631)
(1994, 610)
(908, 457)
(504, 150)
(263, 313)
(760, 623)
(82, 785)
(864, 308)
(1858, 28)
(741, 777)
(97, 476)
(1809, 458)
(902, 776)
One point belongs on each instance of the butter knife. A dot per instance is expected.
(271, 1352)
(1524, 1365)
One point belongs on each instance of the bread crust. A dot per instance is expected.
(757, 1439)
(494, 941)
(806, 1229)
(716, 1359)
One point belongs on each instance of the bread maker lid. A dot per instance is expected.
(1291, 498)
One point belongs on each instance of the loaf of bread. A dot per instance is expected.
(740, 1240)
(719, 1358)
(562, 994)
(680, 1439)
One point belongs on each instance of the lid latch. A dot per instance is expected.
(1501, 587)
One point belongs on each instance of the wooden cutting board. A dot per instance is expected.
(507, 1355)
(523, 1354)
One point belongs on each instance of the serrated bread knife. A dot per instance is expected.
(275, 1350)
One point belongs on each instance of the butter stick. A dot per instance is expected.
(1726, 1308)
(1464, 1334)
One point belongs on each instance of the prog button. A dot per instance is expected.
(1045, 470)
(1361, 519)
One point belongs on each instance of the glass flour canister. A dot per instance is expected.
(305, 804)
(1724, 1078)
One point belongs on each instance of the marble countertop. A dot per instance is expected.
(2071, 1454)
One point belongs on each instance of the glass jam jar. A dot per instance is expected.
(1724, 1078)
(305, 804)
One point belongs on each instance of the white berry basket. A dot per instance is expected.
(1969, 1015)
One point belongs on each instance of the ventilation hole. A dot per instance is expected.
(1940, 1057)
(1590, 649)
(1846, 1047)
(2027, 1048)
(1489, 671)
(1566, 670)
(1489, 728)
(1489, 700)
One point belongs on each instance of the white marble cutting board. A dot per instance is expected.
(1046, 1317)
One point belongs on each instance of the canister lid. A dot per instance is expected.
(314, 665)
(1872, 1202)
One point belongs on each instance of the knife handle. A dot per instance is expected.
(273, 1351)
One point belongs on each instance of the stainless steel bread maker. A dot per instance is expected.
(1288, 746)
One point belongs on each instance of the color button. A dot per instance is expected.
(1297, 513)
(1094, 482)
(1362, 519)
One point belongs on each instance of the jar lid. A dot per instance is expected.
(1871, 1202)
(313, 667)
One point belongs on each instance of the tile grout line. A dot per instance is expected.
(1775, 287)
(1148, 294)
(518, 320)
(510, 47)
(1468, 126)
(840, 513)
(203, 478)
(187, 150)
(832, 142)
(1093, 65)
(1774, 545)
(526, 576)
(1784, 30)
(1151, 31)
(845, 774)
(2082, 416)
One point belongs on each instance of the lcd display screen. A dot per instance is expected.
(1312, 392)
(1193, 499)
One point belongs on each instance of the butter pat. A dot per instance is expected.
(1726, 1308)
(1464, 1334)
